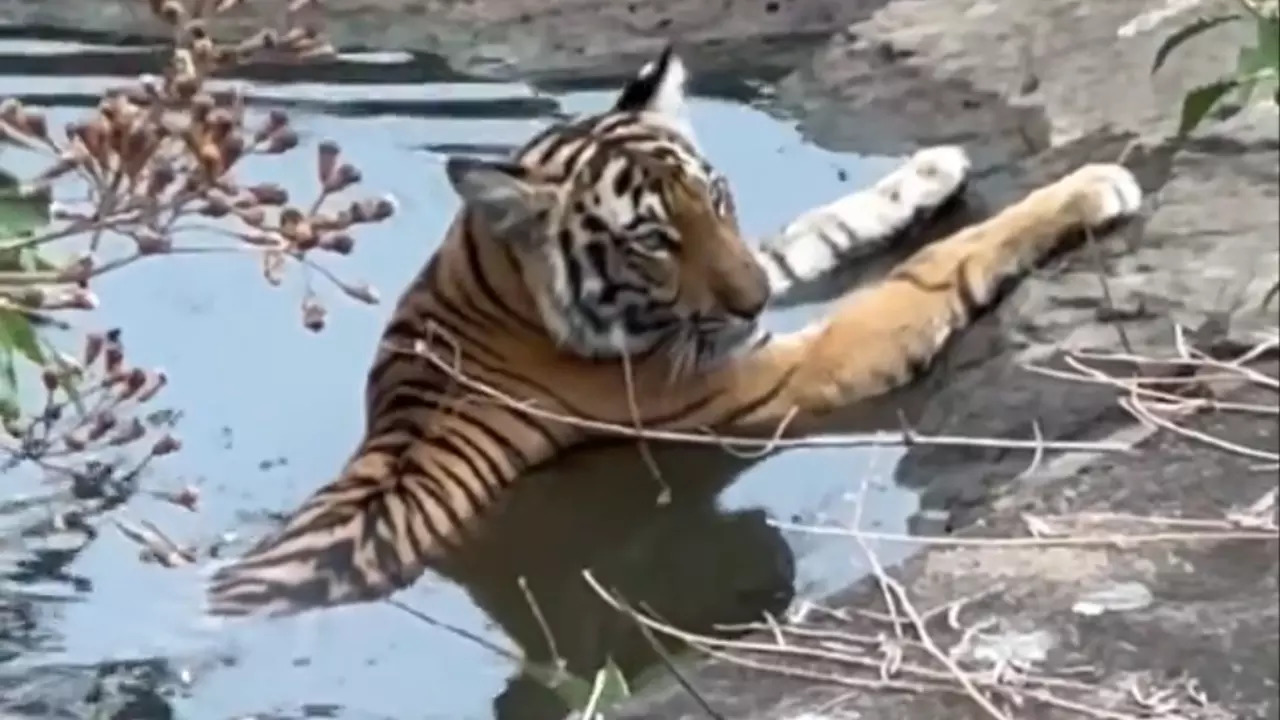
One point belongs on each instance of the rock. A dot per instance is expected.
(529, 38)
(1201, 644)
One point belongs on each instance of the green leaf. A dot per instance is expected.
(609, 687)
(1268, 49)
(1187, 32)
(8, 373)
(17, 333)
(1197, 104)
(20, 215)
(9, 409)
(571, 688)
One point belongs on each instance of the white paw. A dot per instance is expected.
(865, 220)
(1110, 192)
(928, 178)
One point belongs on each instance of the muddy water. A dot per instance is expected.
(270, 410)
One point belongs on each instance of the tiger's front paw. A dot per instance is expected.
(865, 221)
(1104, 193)
(927, 179)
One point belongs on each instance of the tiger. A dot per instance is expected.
(598, 278)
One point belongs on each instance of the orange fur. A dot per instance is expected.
(437, 453)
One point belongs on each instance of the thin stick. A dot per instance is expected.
(1133, 385)
(1101, 263)
(1036, 459)
(926, 638)
(768, 447)
(904, 438)
(669, 663)
(628, 379)
(896, 598)
(597, 689)
(464, 634)
(889, 604)
(1211, 523)
(1141, 412)
(930, 679)
(1088, 540)
(543, 625)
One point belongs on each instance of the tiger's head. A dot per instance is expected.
(626, 236)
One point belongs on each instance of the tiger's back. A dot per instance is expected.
(600, 274)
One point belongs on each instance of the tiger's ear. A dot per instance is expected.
(509, 200)
(659, 88)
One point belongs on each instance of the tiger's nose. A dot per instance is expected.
(747, 296)
(747, 307)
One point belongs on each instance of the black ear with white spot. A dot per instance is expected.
(507, 198)
(659, 88)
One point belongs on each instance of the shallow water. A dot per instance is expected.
(269, 411)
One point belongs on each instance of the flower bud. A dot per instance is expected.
(282, 142)
(326, 161)
(269, 194)
(345, 176)
(165, 445)
(340, 243)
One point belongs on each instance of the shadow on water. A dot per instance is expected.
(271, 411)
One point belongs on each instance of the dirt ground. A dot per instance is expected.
(1032, 88)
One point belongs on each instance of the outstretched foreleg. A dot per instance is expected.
(863, 222)
(882, 337)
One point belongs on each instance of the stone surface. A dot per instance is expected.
(1211, 623)
(526, 37)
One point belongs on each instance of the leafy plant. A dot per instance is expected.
(20, 217)
(1257, 72)
(157, 159)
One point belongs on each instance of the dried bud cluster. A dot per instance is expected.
(93, 404)
(159, 151)
(168, 146)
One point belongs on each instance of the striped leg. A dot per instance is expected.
(865, 221)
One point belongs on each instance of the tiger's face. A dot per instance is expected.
(626, 236)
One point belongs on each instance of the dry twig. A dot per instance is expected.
(906, 437)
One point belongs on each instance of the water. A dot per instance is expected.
(271, 410)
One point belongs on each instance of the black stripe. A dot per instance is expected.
(555, 139)
(565, 240)
(779, 257)
(681, 412)
(407, 465)
(855, 240)
(418, 504)
(832, 245)
(449, 445)
(401, 423)
(475, 263)
(765, 398)
(574, 160)
(498, 442)
(377, 512)
(399, 400)
(466, 342)
(423, 385)
(480, 499)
